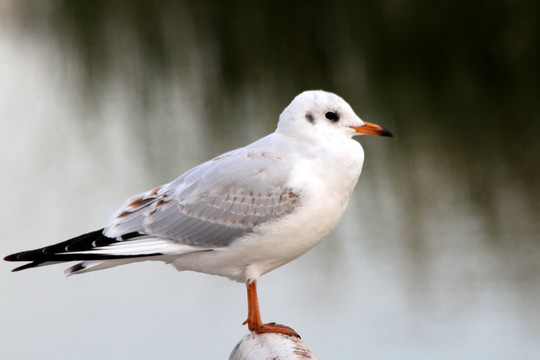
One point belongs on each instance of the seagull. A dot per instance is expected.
(241, 214)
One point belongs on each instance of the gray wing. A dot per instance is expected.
(212, 204)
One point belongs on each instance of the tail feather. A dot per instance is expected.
(97, 251)
(94, 265)
(75, 249)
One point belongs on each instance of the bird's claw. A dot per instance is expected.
(275, 328)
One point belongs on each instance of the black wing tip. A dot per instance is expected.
(16, 257)
(12, 257)
(29, 255)
(60, 252)
(39, 256)
(26, 266)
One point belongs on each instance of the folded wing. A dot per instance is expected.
(208, 207)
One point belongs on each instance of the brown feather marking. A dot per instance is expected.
(123, 214)
(160, 202)
(140, 202)
(154, 191)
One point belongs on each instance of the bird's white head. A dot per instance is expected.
(318, 113)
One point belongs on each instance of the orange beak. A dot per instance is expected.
(372, 129)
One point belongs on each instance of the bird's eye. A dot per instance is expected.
(332, 116)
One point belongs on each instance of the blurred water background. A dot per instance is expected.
(438, 255)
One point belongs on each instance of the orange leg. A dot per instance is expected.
(254, 321)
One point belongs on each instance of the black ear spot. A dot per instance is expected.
(310, 118)
(332, 116)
